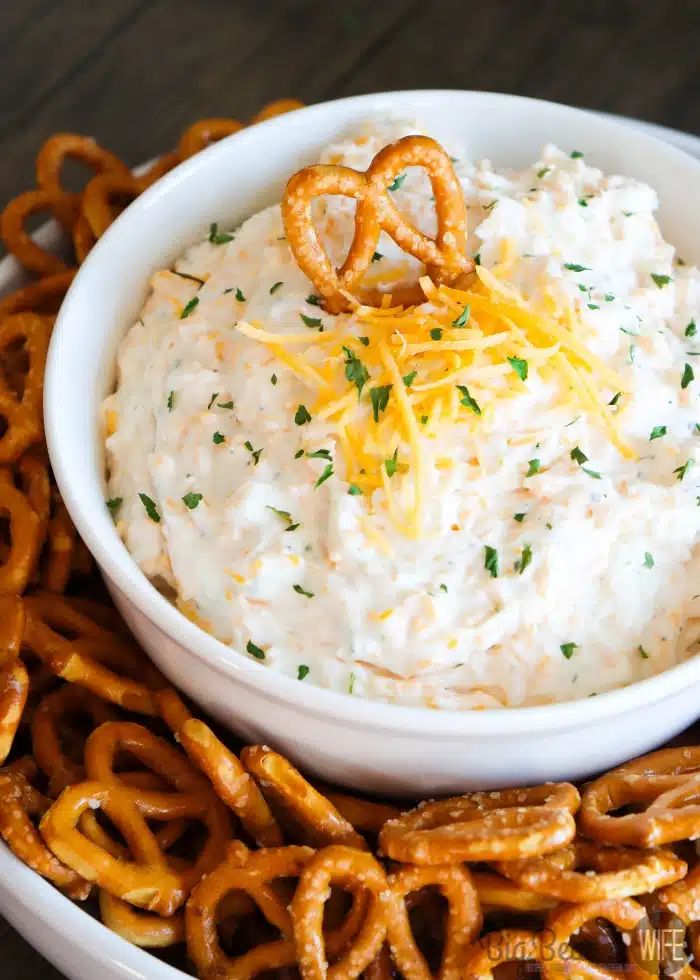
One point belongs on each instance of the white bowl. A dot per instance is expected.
(340, 737)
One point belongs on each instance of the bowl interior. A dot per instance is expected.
(226, 184)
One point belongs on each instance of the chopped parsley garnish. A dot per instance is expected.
(443, 587)
(609, 297)
(477, 258)
(285, 516)
(150, 507)
(578, 456)
(239, 296)
(519, 518)
(311, 321)
(275, 286)
(216, 237)
(688, 376)
(377, 256)
(574, 267)
(391, 465)
(519, 366)
(463, 319)
(217, 438)
(355, 371)
(691, 329)
(189, 307)
(533, 467)
(301, 591)
(380, 399)
(660, 280)
(615, 398)
(543, 172)
(592, 473)
(192, 500)
(351, 682)
(320, 454)
(302, 672)
(114, 503)
(225, 404)
(364, 341)
(213, 398)
(409, 378)
(298, 454)
(255, 651)
(593, 306)
(171, 401)
(354, 490)
(491, 561)
(328, 472)
(255, 453)
(575, 154)
(313, 300)
(436, 333)
(524, 560)
(642, 652)
(648, 559)
(680, 471)
(657, 432)
(302, 416)
(396, 182)
(424, 419)
(568, 649)
(582, 202)
(273, 379)
(467, 400)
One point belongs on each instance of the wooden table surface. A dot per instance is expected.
(133, 73)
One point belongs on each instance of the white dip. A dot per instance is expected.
(542, 563)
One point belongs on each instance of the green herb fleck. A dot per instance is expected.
(648, 559)
(351, 683)
(642, 652)
(615, 398)
(320, 454)
(396, 182)
(273, 379)
(543, 172)
(354, 490)
(688, 376)
(491, 561)
(524, 560)
(463, 319)
(657, 432)
(390, 465)
(171, 401)
(592, 473)
(568, 649)
(467, 400)
(313, 300)
(364, 341)
(302, 416)
(217, 438)
(212, 399)
(301, 591)
(298, 454)
(533, 467)
(680, 471)
(327, 473)
(150, 507)
(189, 307)
(355, 371)
(311, 321)
(436, 333)
(660, 280)
(519, 366)
(216, 237)
(255, 453)
(380, 399)
(409, 378)
(578, 456)
(302, 672)
(575, 154)
(443, 587)
(574, 267)
(477, 258)
(192, 500)
(593, 306)
(691, 329)
(255, 651)
(283, 515)
(377, 256)
(582, 202)
(519, 518)
(275, 286)
(114, 503)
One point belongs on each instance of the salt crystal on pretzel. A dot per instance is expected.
(444, 256)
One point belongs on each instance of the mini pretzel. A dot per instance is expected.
(559, 959)
(497, 893)
(644, 781)
(49, 732)
(349, 868)
(144, 929)
(158, 169)
(253, 874)
(444, 257)
(366, 816)
(24, 533)
(83, 238)
(98, 204)
(91, 657)
(284, 785)
(461, 928)
(147, 880)
(277, 108)
(23, 414)
(204, 132)
(498, 948)
(18, 240)
(12, 620)
(14, 688)
(18, 803)
(44, 296)
(503, 825)
(50, 160)
(620, 873)
(228, 776)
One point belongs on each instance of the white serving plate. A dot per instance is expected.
(78, 945)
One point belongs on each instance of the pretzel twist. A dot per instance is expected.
(444, 257)
(23, 413)
(14, 688)
(504, 825)
(41, 297)
(25, 533)
(499, 948)
(20, 243)
(204, 132)
(12, 619)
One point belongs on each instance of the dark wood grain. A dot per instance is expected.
(133, 73)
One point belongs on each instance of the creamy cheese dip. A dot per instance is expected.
(557, 554)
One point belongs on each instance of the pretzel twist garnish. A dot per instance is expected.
(42, 297)
(504, 825)
(25, 535)
(23, 413)
(14, 688)
(49, 163)
(232, 782)
(205, 132)
(462, 924)
(350, 869)
(49, 734)
(162, 166)
(498, 948)
(559, 959)
(103, 198)
(91, 656)
(619, 873)
(144, 929)
(497, 893)
(278, 107)
(12, 619)
(644, 781)
(444, 257)
(366, 816)
(19, 802)
(283, 785)
(20, 243)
